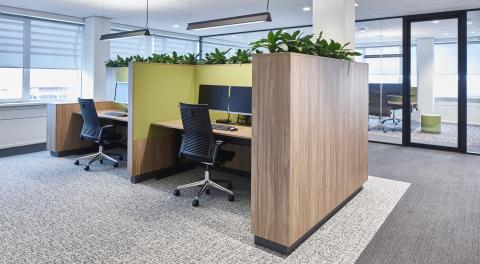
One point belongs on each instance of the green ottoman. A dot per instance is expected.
(431, 123)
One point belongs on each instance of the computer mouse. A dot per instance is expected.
(233, 129)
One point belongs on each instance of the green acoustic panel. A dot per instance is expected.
(431, 123)
(121, 74)
(157, 90)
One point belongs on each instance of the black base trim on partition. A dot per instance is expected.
(163, 173)
(286, 250)
(22, 150)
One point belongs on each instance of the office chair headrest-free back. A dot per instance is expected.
(91, 124)
(198, 140)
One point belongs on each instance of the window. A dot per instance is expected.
(11, 58)
(55, 60)
(181, 46)
(127, 47)
(39, 59)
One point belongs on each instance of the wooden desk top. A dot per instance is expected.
(101, 114)
(243, 132)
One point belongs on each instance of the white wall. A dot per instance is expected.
(22, 124)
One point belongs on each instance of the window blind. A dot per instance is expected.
(11, 42)
(55, 45)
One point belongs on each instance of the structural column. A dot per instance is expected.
(96, 52)
(425, 74)
(336, 18)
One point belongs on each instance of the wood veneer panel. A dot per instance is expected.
(309, 145)
(64, 126)
(153, 154)
(270, 147)
(328, 137)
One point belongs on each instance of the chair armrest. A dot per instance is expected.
(103, 131)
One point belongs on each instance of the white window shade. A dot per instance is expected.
(11, 42)
(55, 45)
(127, 47)
(169, 45)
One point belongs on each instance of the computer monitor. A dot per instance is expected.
(121, 93)
(215, 96)
(241, 100)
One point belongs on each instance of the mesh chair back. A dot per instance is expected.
(91, 123)
(198, 140)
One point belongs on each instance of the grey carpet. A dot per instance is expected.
(53, 212)
(438, 219)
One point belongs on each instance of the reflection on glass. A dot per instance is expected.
(473, 82)
(55, 84)
(380, 43)
(434, 91)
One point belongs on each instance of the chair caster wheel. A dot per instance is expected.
(77, 162)
(101, 161)
(231, 198)
(207, 191)
(176, 192)
(115, 165)
(229, 186)
(87, 168)
(120, 158)
(195, 203)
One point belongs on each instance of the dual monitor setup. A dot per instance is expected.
(227, 99)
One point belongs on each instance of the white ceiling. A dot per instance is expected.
(165, 14)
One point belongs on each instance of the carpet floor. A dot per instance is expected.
(54, 212)
(438, 219)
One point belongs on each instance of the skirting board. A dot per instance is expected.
(286, 250)
(159, 174)
(6, 152)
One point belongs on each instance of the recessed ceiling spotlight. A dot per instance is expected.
(356, 4)
(473, 32)
(234, 36)
(436, 21)
(469, 22)
(307, 8)
(176, 26)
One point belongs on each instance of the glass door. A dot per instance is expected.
(433, 105)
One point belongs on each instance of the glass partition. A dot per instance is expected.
(380, 43)
(473, 82)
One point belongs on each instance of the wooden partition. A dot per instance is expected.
(309, 146)
(64, 127)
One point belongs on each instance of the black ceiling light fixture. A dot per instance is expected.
(232, 21)
(128, 34)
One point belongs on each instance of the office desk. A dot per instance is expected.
(101, 114)
(243, 132)
(64, 123)
(237, 141)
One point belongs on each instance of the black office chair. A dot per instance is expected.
(93, 132)
(199, 145)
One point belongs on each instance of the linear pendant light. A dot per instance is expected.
(232, 21)
(128, 34)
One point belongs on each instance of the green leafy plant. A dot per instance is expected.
(216, 57)
(189, 58)
(241, 56)
(281, 41)
(273, 43)
(333, 49)
(159, 58)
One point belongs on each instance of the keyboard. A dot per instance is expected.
(224, 127)
(116, 114)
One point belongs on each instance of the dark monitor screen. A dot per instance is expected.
(121, 93)
(241, 100)
(215, 96)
